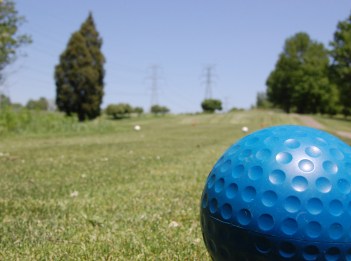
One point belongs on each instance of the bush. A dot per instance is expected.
(235, 109)
(4, 101)
(138, 110)
(13, 120)
(23, 121)
(40, 105)
(119, 111)
(157, 109)
(211, 105)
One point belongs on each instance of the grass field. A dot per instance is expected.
(116, 194)
(339, 123)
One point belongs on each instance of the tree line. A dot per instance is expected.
(42, 104)
(79, 75)
(309, 78)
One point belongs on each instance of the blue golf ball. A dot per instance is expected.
(281, 193)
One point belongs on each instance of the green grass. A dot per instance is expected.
(101, 191)
(336, 123)
(29, 122)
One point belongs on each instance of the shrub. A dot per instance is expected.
(138, 110)
(119, 111)
(157, 109)
(211, 105)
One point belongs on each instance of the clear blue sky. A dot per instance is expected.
(241, 39)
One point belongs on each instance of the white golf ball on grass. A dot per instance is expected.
(245, 129)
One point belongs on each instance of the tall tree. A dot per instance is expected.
(80, 73)
(10, 39)
(94, 43)
(341, 63)
(280, 83)
(300, 78)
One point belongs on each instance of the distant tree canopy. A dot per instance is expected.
(119, 111)
(262, 101)
(42, 104)
(340, 69)
(10, 40)
(80, 73)
(138, 110)
(300, 80)
(4, 101)
(236, 109)
(157, 109)
(211, 105)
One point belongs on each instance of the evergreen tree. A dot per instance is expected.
(300, 78)
(80, 73)
(341, 64)
(94, 44)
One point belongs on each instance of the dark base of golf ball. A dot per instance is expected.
(282, 193)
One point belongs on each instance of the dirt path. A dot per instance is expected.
(344, 134)
(309, 121)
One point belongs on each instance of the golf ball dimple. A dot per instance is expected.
(281, 193)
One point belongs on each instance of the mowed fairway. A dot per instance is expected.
(114, 195)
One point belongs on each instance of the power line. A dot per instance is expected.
(209, 76)
(178, 102)
(132, 94)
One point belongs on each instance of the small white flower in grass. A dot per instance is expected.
(74, 194)
(197, 240)
(174, 224)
